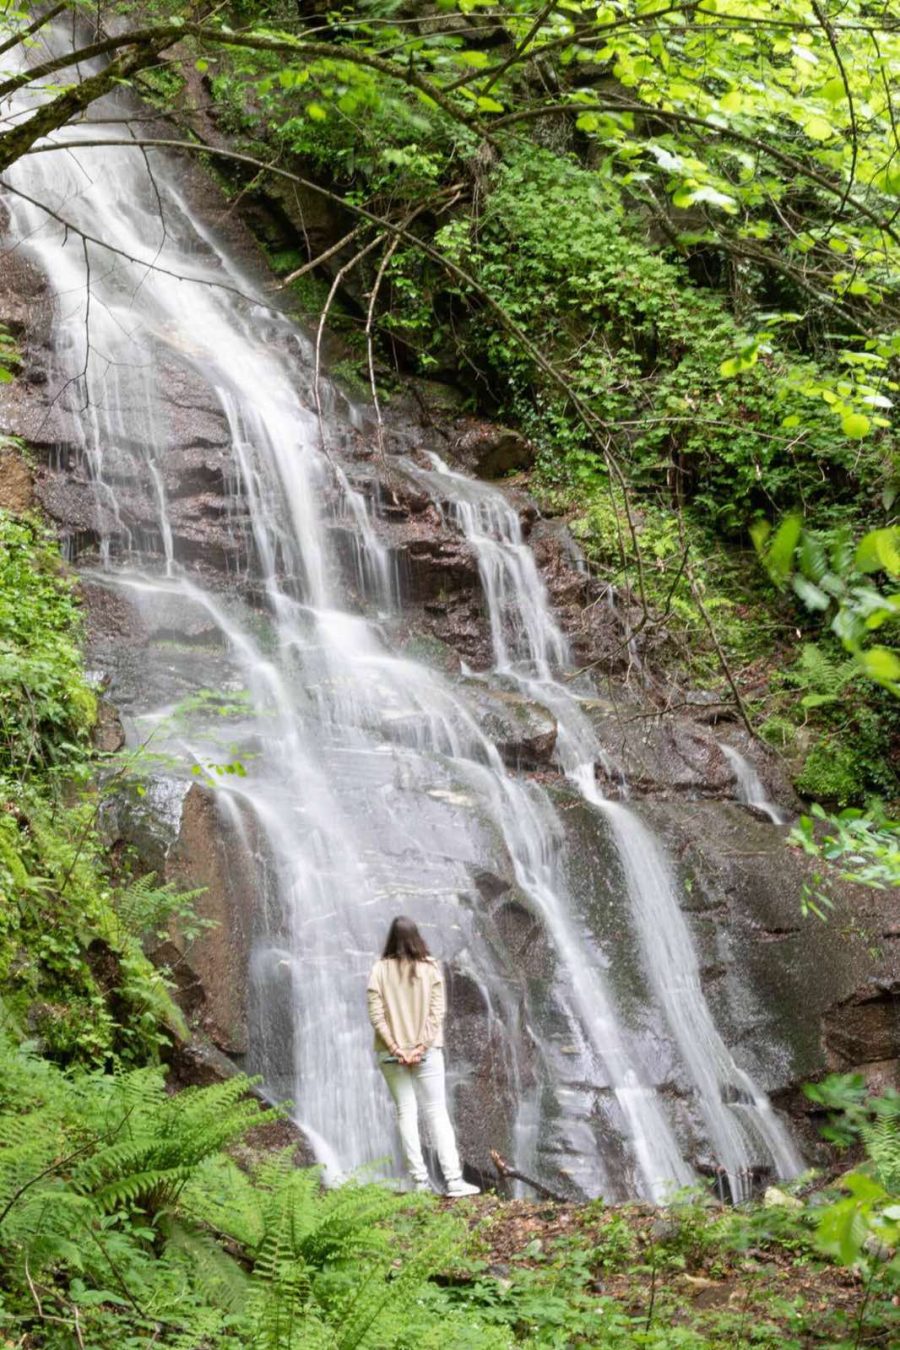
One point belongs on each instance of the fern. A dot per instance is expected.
(387, 1297)
(145, 906)
(881, 1136)
(822, 675)
(116, 1200)
(160, 1141)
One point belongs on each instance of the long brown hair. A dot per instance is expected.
(405, 943)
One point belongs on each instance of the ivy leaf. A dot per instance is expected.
(471, 58)
(715, 198)
(834, 90)
(684, 197)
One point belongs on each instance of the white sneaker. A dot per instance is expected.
(457, 1189)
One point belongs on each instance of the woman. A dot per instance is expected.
(406, 1009)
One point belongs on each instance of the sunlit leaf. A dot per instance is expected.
(855, 425)
(879, 551)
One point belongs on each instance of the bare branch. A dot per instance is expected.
(344, 240)
(335, 285)
(854, 136)
(600, 431)
(521, 47)
(24, 33)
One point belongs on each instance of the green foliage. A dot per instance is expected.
(558, 249)
(832, 578)
(67, 956)
(860, 1226)
(9, 355)
(147, 908)
(71, 963)
(46, 706)
(122, 1220)
(857, 848)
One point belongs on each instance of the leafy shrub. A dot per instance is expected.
(122, 1221)
(46, 706)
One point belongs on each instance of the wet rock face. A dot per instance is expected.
(523, 732)
(16, 483)
(862, 1033)
(211, 971)
(487, 450)
(208, 527)
(793, 998)
(796, 998)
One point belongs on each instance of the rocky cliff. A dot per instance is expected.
(793, 997)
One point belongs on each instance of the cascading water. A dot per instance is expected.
(529, 646)
(370, 786)
(749, 786)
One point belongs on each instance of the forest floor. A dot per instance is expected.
(697, 1274)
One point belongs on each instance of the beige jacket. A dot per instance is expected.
(406, 1004)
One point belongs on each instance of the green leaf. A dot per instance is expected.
(759, 533)
(316, 113)
(881, 664)
(811, 595)
(817, 129)
(855, 425)
(490, 104)
(817, 700)
(834, 90)
(478, 60)
(879, 551)
(780, 554)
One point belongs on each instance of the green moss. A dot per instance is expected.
(830, 773)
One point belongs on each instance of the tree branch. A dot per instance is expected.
(600, 431)
(649, 110)
(24, 33)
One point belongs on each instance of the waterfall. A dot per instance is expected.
(750, 790)
(528, 645)
(369, 782)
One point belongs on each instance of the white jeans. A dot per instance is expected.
(422, 1085)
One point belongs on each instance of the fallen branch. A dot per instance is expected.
(507, 1173)
(345, 239)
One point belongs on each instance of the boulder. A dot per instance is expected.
(488, 450)
(797, 998)
(524, 732)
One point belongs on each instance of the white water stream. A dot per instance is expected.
(371, 787)
(529, 647)
(749, 786)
